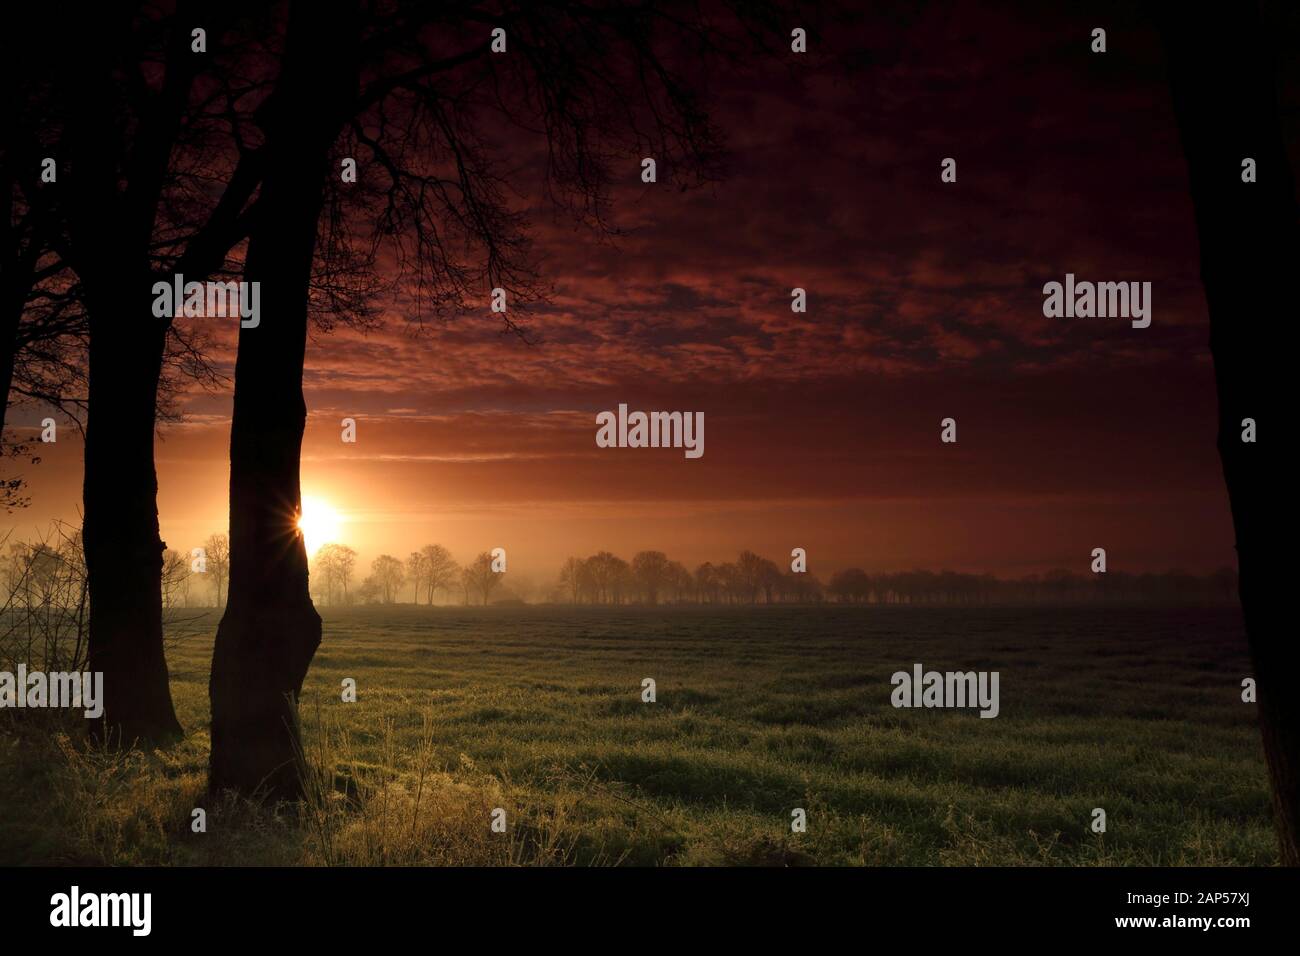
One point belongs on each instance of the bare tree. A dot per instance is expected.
(680, 581)
(571, 574)
(370, 591)
(416, 575)
(439, 568)
(175, 579)
(650, 570)
(216, 551)
(44, 602)
(332, 567)
(388, 576)
(481, 577)
(752, 572)
(466, 583)
(706, 583)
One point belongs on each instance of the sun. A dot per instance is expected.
(319, 523)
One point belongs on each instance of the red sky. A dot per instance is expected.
(822, 430)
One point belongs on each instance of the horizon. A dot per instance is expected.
(925, 301)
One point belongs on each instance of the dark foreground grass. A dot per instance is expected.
(760, 711)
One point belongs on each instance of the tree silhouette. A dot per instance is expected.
(651, 571)
(42, 322)
(409, 92)
(175, 579)
(332, 566)
(438, 567)
(1223, 80)
(706, 583)
(388, 575)
(415, 574)
(216, 552)
(571, 575)
(481, 577)
(145, 191)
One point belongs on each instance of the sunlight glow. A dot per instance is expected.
(319, 523)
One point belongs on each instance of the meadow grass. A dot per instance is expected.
(538, 710)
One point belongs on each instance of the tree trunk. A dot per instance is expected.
(120, 535)
(1224, 99)
(8, 354)
(270, 630)
(13, 299)
(111, 239)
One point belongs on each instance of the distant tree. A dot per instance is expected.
(680, 582)
(621, 584)
(387, 575)
(371, 591)
(322, 573)
(650, 571)
(604, 569)
(571, 574)
(33, 573)
(752, 572)
(730, 583)
(769, 579)
(345, 561)
(175, 579)
(481, 576)
(216, 552)
(587, 584)
(850, 585)
(415, 574)
(43, 603)
(802, 587)
(706, 583)
(439, 569)
(333, 566)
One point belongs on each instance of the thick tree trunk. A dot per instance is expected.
(270, 630)
(1224, 99)
(120, 532)
(110, 237)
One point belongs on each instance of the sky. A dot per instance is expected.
(822, 429)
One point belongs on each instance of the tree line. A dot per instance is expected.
(427, 572)
(650, 577)
(50, 572)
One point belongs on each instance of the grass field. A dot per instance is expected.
(760, 710)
